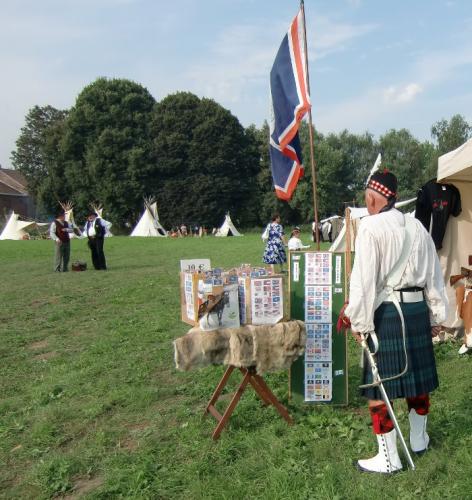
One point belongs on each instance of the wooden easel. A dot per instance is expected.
(262, 390)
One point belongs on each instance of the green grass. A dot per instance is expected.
(91, 405)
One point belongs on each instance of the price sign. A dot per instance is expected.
(195, 265)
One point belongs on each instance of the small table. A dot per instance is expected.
(251, 377)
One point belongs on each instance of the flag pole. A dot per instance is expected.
(310, 124)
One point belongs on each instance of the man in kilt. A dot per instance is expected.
(374, 306)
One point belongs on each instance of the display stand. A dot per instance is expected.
(250, 377)
(317, 290)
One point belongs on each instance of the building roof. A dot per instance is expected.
(12, 182)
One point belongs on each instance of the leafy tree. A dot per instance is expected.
(206, 161)
(408, 158)
(267, 204)
(30, 156)
(451, 134)
(329, 178)
(106, 147)
(358, 155)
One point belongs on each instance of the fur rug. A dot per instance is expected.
(269, 348)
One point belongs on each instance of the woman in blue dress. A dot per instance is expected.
(274, 251)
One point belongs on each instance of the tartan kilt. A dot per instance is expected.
(421, 377)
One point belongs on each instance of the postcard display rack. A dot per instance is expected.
(317, 291)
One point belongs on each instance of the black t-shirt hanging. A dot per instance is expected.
(435, 203)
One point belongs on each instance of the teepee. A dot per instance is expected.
(16, 229)
(68, 208)
(227, 228)
(98, 209)
(149, 225)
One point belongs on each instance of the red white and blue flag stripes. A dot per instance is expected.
(290, 102)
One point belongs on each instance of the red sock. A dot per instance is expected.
(419, 403)
(381, 421)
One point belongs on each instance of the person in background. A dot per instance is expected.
(327, 231)
(95, 230)
(274, 252)
(295, 243)
(59, 232)
(314, 228)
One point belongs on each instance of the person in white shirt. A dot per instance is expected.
(95, 229)
(295, 243)
(59, 232)
(387, 279)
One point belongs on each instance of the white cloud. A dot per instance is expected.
(243, 56)
(402, 94)
(329, 36)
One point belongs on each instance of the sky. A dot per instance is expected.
(374, 65)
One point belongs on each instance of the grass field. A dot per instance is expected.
(92, 407)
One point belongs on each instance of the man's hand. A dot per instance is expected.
(435, 330)
(58, 243)
(358, 337)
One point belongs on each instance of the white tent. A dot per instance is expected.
(149, 225)
(16, 229)
(68, 208)
(227, 228)
(331, 224)
(339, 244)
(455, 168)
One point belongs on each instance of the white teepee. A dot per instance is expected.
(68, 208)
(227, 228)
(149, 225)
(16, 229)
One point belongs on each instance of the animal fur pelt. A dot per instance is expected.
(269, 348)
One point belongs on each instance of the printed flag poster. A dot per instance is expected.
(189, 299)
(318, 382)
(318, 342)
(318, 304)
(267, 301)
(317, 268)
(242, 300)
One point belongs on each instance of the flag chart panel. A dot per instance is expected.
(317, 292)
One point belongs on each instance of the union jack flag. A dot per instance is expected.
(290, 102)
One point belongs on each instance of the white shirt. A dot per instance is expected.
(378, 247)
(89, 228)
(296, 244)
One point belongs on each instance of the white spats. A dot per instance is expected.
(387, 460)
(419, 438)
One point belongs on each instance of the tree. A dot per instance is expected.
(451, 134)
(408, 158)
(206, 161)
(106, 148)
(29, 156)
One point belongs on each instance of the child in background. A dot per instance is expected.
(295, 243)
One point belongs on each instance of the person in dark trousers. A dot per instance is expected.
(59, 233)
(95, 230)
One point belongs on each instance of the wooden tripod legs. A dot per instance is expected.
(251, 377)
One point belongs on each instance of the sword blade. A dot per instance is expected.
(378, 381)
